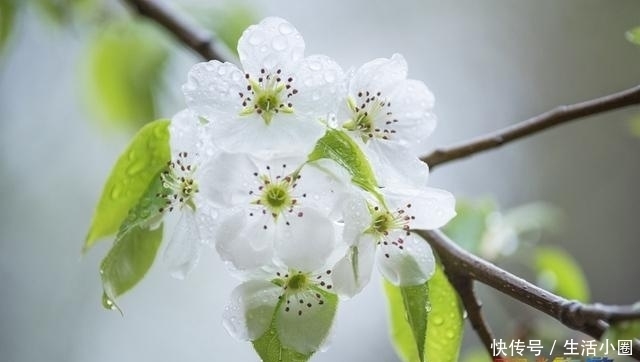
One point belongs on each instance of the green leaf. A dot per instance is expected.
(8, 10)
(270, 347)
(444, 326)
(132, 174)
(127, 262)
(560, 273)
(401, 334)
(634, 126)
(469, 226)
(437, 302)
(633, 35)
(339, 147)
(125, 65)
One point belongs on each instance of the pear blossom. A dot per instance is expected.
(267, 199)
(384, 107)
(183, 180)
(384, 233)
(279, 100)
(296, 294)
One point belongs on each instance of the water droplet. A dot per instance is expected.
(222, 71)
(279, 43)
(285, 28)
(116, 191)
(449, 334)
(256, 38)
(263, 49)
(132, 155)
(329, 77)
(427, 307)
(315, 65)
(135, 168)
(315, 96)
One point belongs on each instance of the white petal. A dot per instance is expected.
(212, 90)
(412, 264)
(251, 309)
(412, 105)
(379, 75)
(183, 251)
(227, 179)
(353, 272)
(286, 132)
(307, 242)
(272, 44)
(303, 328)
(242, 241)
(357, 219)
(185, 133)
(323, 190)
(395, 166)
(431, 207)
(321, 85)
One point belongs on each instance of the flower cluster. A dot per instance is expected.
(301, 231)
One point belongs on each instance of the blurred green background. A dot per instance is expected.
(78, 77)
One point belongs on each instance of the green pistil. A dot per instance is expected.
(297, 282)
(276, 197)
(383, 221)
(267, 98)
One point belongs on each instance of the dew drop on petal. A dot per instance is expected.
(285, 28)
(279, 43)
(222, 70)
(256, 38)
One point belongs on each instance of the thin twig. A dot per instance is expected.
(464, 287)
(591, 319)
(533, 125)
(196, 38)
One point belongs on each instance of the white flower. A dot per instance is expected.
(280, 100)
(383, 233)
(383, 106)
(296, 296)
(182, 181)
(269, 200)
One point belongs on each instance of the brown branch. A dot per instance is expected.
(198, 39)
(591, 319)
(554, 117)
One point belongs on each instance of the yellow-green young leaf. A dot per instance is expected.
(269, 346)
(339, 147)
(560, 273)
(626, 330)
(469, 225)
(633, 35)
(634, 126)
(444, 326)
(413, 305)
(8, 10)
(129, 259)
(125, 65)
(132, 174)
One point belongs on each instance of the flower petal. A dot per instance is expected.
(242, 241)
(395, 166)
(304, 324)
(432, 208)
(183, 251)
(272, 44)
(412, 105)
(405, 260)
(250, 311)
(321, 85)
(307, 242)
(379, 75)
(353, 272)
(212, 90)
